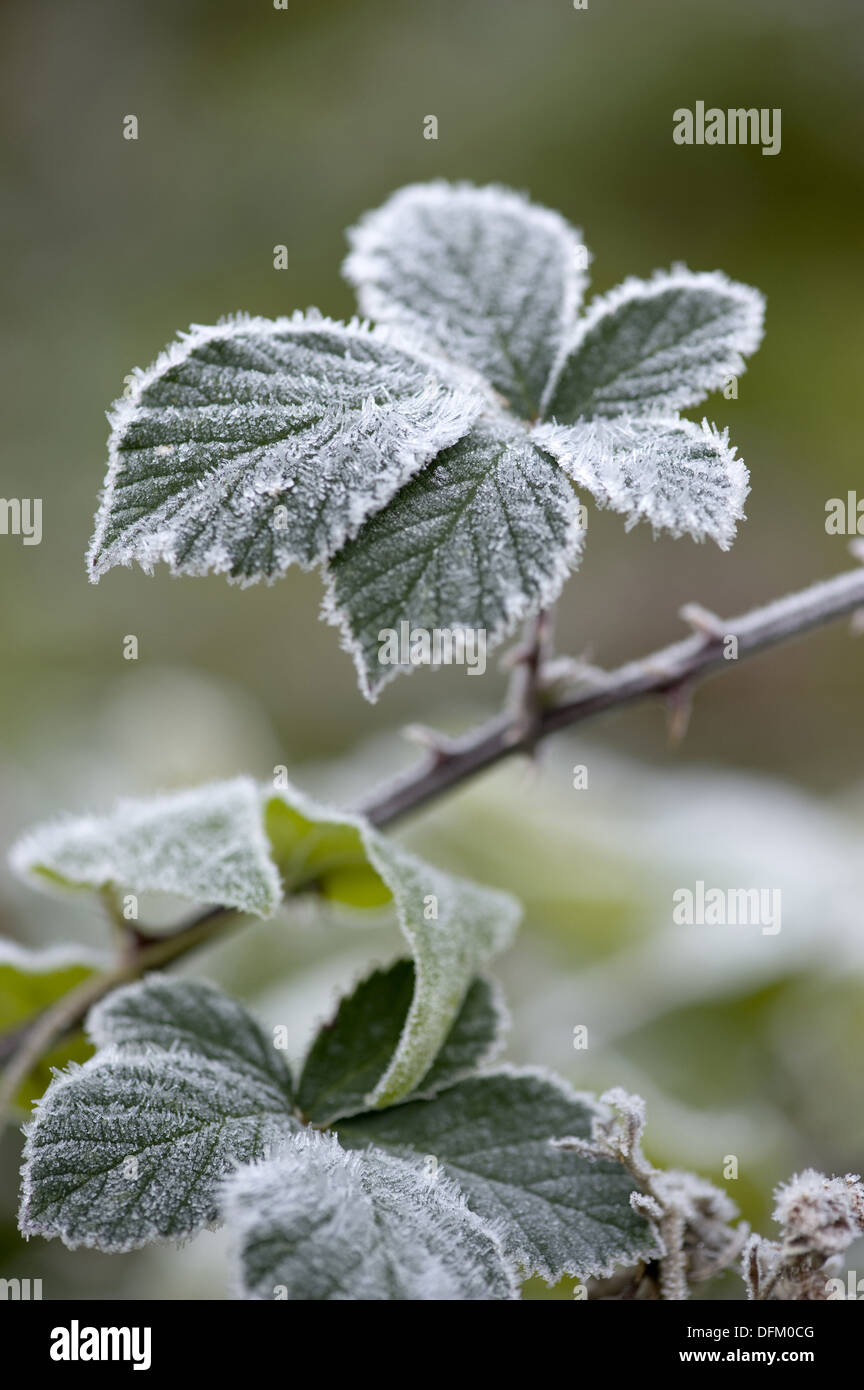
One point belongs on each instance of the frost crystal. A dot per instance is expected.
(818, 1213)
(819, 1218)
(131, 1147)
(557, 1213)
(690, 1215)
(212, 845)
(656, 345)
(317, 1223)
(486, 276)
(482, 537)
(256, 444)
(395, 453)
(679, 476)
(190, 1016)
(207, 845)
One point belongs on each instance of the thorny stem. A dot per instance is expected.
(662, 673)
(527, 720)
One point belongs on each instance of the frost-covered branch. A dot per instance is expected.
(663, 673)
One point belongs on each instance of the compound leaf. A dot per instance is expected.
(237, 844)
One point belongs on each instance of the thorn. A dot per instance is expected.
(535, 643)
(856, 549)
(703, 621)
(438, 744)
(679, 706)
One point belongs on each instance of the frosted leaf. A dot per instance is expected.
(349, 1054)
(472, 924)
(214, 845)
(30, 981)
(207, 845)
(131, 1147)
(659, 344)
(483, 274)
(481, 538)
(474, 1039)
(318, 1224)
(315, 846)
(557, 1212)
(680, 476)
(194, 1017)
(258, 443)
(453, 927)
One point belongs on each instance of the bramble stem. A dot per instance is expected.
(661, 673)
(665, 673)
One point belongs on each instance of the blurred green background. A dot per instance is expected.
(260, 127)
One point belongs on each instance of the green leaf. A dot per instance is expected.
(256, 444)
(132, 1146)
(656, 345)
(481, 538)
(481, 273)
(350, 1053)
(471, 925)
(193, 1016)
(679, 476)
(557, 1213)
(31, 981)
(318, 1224)
(452, 926)
(207, 845)
(314, 847)
(212, 845)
